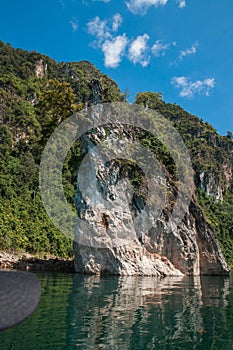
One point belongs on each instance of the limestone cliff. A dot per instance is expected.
(107, 240)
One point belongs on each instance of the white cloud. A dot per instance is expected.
(141, 6)
(97, 28)
(190, 51)
(117, 21)
(159, 49)
(181, 3)
(102, 28)
(103, 0)
(190, 88)
(112, 47)
(74, 24)
(113, 50)
(138, 50)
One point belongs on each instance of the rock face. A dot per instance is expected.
(40, 69)
(211, 185)
(107, 241)
(190, 249)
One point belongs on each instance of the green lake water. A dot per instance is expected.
(88, 312)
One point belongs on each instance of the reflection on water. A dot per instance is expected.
(89, 312)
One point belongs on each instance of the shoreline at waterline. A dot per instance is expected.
(35, 263)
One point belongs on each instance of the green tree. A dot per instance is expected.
(149, 99)
(55, 104)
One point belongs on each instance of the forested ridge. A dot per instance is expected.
(36, 95)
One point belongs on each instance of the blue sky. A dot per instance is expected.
(183, 48)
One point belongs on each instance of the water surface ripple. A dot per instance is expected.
(90, 312)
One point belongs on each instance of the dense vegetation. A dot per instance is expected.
(36, 94)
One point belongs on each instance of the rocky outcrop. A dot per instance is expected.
(210, 184)
(29, 262)
(108, 241)
(189, 249)
(191, 246)
(41, 69)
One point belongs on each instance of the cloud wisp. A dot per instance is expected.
(114, 50)
(103, 29)
(159, 49)
(138, 50)
(106, 1)
(74, 24)
(117, 21)
(97, 27)
(190, 88)
(190, 51)
(181, 3)
(187, 52)
(112, 47)
(140, 7)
